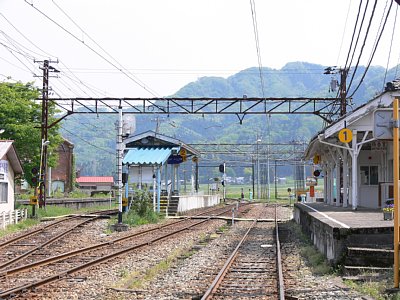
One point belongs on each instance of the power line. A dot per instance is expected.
(97, 147)
(373, 52)
(255, 29)
(363, 45)
(348, 64)
(132, 78)
(390, 48)
(344, 31)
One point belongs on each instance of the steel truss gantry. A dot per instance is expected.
(240, 107)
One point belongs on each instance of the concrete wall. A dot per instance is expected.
(76, 203)
(330, 241)
(197, 201)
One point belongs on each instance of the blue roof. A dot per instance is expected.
(148, 155)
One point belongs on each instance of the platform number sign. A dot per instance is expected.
(345, 135)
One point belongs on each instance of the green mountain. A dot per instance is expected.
(94, 136)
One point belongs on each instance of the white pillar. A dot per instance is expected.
(354, 173)
(345, 179)
(326, 192)
(331, 181)
(154, 187)
(337, 163)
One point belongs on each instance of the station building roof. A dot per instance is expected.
(7, 149)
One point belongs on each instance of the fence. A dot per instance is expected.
(12, 217)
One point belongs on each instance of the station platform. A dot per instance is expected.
(334, 229)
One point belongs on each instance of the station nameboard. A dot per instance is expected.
(311, 181)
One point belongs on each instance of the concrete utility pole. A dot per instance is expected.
(343, 91)
(119, 165)
(44, 130)
(342, 88)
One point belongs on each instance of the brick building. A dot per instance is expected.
(62, 175)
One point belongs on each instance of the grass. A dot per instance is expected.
(370, 288)
(132, 218)
(17, 227)
(281, 195)
(135, 280)
(315, 260)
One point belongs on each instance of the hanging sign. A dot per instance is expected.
(345, 135)
(175, 159)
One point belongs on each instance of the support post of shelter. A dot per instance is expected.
(197, 177)
(396, 189)
(155, 188)
(158, 189)
(354, 172)
(345, 179)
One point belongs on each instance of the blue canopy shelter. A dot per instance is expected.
(147, 158)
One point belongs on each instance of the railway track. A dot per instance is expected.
(28, 276)
(19, 249)
(253, 270)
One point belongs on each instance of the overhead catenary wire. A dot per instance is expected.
(344, 31)
(374, 50)
(390, 49)
(97, 147)
(132, 78)
(362, 47)
(50, 56)
(348, 63)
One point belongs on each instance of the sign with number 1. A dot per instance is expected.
(345, 135)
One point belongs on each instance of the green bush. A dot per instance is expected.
(141, 211)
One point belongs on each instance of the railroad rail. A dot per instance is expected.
(20, 279)
(253, 270)
(21, 247)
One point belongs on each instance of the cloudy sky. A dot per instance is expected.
(151, 48)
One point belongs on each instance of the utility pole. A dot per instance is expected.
(44, 129)
(342, 87)
(119, 165)
(343, 92)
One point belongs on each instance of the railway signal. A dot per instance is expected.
(35, 175)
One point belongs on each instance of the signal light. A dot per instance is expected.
(222, 168)
(317, 173)
(35, 175)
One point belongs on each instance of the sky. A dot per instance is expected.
(152, 48)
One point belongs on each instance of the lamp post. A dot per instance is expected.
(42, 173)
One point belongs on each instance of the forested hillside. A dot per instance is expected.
(94, 136)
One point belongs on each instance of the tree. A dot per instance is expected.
(20, 117)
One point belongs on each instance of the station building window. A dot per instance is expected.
(3, 192)
(369, 175)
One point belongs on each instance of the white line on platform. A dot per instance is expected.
(328, 217)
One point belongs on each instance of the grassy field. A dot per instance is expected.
(279, 193)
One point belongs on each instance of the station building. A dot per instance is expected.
(10, 168)
(355, 154)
